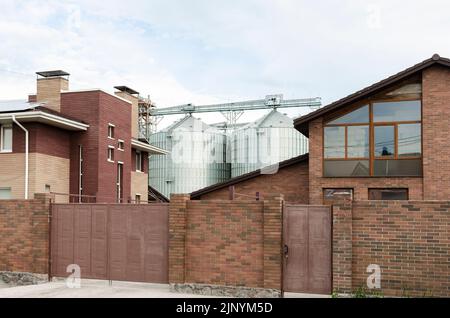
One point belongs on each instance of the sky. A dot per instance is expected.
(210, 51)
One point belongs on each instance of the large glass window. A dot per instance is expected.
(379, 139)
(397, 111)
(409, 140)
(358, 116)
(358, 141)
(334, 142)
(384, 141)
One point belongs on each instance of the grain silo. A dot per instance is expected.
(267, 141)
(197, 157)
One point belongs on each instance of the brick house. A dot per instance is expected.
(387, 141)
(83, 145)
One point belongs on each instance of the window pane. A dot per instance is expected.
(388, 194)
(358, 141)
(332, 195)
(397, 111)
(384, 141)
(397, 168)
(7, 139)
(346, 168)
(409, 140)
(334, 142)
(359, 116)
(5, 193)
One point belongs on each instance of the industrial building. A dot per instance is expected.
(267, 141)
(82, 146)
(203, 155)
(197, 157)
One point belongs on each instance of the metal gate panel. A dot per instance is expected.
(307, 237)
(118, 244)
(111, 241)
(99, 241)
(82, 238)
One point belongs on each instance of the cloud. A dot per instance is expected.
(218, 51)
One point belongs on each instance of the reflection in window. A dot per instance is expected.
(346, 168)
(359, 116)
(397, 111)
(358, 141)
(384, 141)
(409, 140)
(388, 194)
(404, 168)
(334, 142)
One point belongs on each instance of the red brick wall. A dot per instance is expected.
(24, 235)
(436, 133)
(144, 160)
(222, 242)
(118, 112)
(409, 240)
(291, 181)
(360, 186)
(98, 109)
(42, 139)
(83, 105)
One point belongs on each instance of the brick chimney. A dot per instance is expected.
(132, 96)
(49, 87)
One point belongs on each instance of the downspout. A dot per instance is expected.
(26, 154)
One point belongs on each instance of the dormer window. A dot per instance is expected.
(377, 139)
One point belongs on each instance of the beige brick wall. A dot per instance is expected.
(12, 173)
(49, 91)
(54, 171)
(43, 169)
(139, 184)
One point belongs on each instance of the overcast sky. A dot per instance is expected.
(218, 51)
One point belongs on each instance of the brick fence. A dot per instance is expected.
(24, 236)
(409, 240)
(222, 242)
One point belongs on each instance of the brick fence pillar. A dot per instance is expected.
(177, 237)
(342, 247)
(273, 228)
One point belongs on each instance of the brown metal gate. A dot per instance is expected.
(111, 241)
(307, 246)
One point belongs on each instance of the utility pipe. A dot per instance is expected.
(26, 154)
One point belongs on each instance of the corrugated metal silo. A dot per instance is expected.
(197, 158)
(267, 141)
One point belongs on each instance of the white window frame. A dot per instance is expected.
(2, 128)
(112, 127)
(120, 141)
(110, 148)
(139, 154)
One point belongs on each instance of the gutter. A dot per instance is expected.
(41, 116)
(26, 154)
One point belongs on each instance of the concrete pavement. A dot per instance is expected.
(93, 289)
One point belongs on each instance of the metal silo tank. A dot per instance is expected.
(197, 157)
(269, 140)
